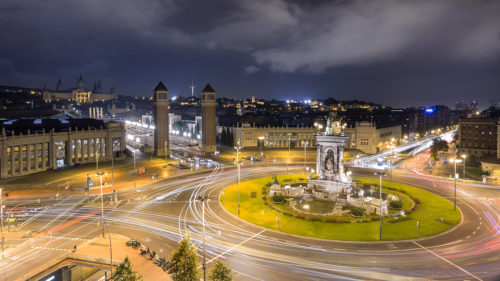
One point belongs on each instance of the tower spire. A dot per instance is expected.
(192, 87)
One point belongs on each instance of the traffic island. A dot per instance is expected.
(328, 220)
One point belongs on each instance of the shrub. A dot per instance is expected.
(357, 212)
(395, 204)
(278, 198)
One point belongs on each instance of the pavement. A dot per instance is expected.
(99, 248)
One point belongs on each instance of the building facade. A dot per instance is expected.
(52, 144)
(160, 112)
(366, 137)
(478, 138)
(79, 94)
(208, 126)
(273, 137)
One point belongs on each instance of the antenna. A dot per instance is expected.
(192, 87)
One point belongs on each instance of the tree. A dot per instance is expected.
(124, 272)
(185, 261)
(439, 145)
(220, 272)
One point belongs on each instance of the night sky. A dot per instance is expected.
(399, 53)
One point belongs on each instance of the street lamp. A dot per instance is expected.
(203, 199)
(464, 156)
(1, 223)
(115, 199)
(238, 165)
(455, 161)
(135, 170)
(278, 217)
(96, 161)
(288, 158)
(380, 174)
(133, 151)
(261, 144)
(102, 202)
(305, 143)
(166, 155)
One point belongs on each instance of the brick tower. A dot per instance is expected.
(208, 119)
(160, 98)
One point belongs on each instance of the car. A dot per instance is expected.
(27, 234)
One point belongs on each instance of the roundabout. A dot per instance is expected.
(422, 213)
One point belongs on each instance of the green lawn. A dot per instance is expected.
(475, 172)
(431, 206)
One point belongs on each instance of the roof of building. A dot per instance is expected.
(208, 89)
(38, 125)
(276, 180)
(161, 87)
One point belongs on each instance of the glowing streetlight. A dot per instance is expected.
(464, 156)
(102, 202)
(380, 174)
(305, 143)
(455, 161)
(203, 199)
(1, 223)
(238, 165)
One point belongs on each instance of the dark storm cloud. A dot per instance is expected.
(132, 43)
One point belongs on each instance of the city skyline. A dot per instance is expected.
(384, 52)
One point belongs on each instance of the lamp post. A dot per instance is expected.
(278, 217)
(203, 199)
(261, 144)
(305, 143)
(455, 161)
(288, 158)
(238, 165)
(380, 174)
(96, 161)
(420, 218)
(133, 151)
(1, 219)
(102, 202)
(464, 156)
(115, 199)
(166, 155)
(135, 170)
(110, 252)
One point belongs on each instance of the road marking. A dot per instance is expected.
(467, 237)
(446, 260)
(237, 245)
(473, 232)
(51, 249)
(477, 228)
(391, 246)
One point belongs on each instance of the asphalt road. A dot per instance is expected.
(159, 215)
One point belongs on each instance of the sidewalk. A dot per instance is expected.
(45, 184)
(99, 248)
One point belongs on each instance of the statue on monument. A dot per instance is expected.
(333, 124)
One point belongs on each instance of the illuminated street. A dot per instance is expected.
(165, 210)
(249, 140)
